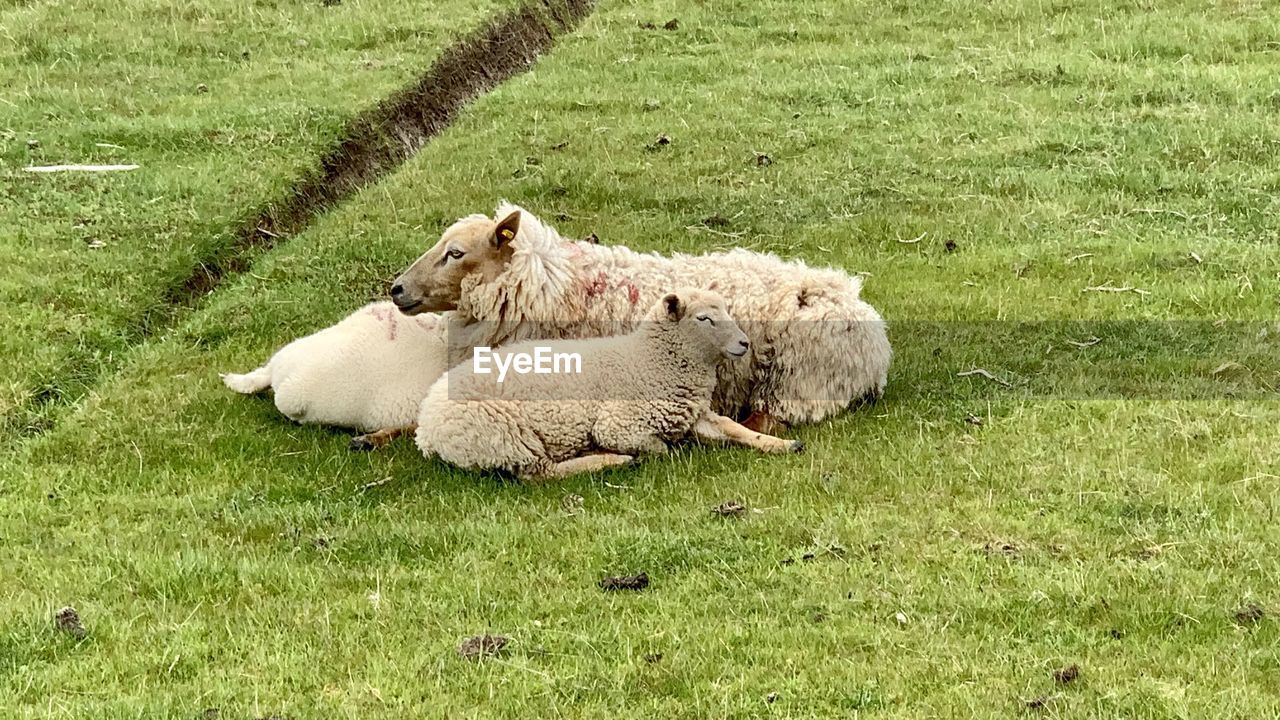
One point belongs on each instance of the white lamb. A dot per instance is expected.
(817, 347)
(632, 394)
(368, 372)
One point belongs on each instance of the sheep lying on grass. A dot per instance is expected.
(630, 394)
(368, 372)
(817, 348)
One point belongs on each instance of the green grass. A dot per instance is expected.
(222, 104)
(1113, 509)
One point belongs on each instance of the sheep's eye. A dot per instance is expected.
(454, 254)
(704, 318)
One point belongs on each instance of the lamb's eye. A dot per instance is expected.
(454, 254)
(704, 318)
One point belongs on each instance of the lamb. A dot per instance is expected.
(368, 372)
(631, 394)
(817, 347)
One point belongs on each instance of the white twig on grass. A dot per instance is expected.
(1113, 289)
(375, 483)
(914, 240)
(1158, 211)
(1081, 256)
(78, 168)
(983, 373)
(1085, 343)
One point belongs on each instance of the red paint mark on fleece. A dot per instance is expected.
(597, 286)
(386, 316)
(633, 292)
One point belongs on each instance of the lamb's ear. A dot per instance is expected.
(674, 306)
(506, 230)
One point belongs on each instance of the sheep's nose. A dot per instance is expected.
(397, 291)
(744, 344)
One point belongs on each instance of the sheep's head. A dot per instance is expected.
(703, 320)
(474, 249)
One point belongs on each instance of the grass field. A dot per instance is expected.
(222, 104)
(941, 554)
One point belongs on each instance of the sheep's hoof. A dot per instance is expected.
(797, 446)
(362, 443)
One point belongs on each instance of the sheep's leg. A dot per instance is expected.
(762, 422)
(378, 440)
(722, 429)
(589, 463)
(620, 433)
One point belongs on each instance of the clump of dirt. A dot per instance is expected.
(825, 551)
(625, 582)
(652, 658)
(67, 620)
(572, 504)
(715, 221)
(950, 246)
(659, 142)
(1066, 675)
(763, 160)
(1001, 547)
(1250, 614)
(592, 238)
(672, 24)
(730, 508)
(481, 646)
(1038, 703)
(771, 698)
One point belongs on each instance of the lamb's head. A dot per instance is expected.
(700, 319)
(475, 249)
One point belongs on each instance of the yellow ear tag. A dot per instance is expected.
(506, 233)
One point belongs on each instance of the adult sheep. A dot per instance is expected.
(817, 347)
(626, 395)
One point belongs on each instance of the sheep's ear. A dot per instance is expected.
(674, 306)
(506, 230)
